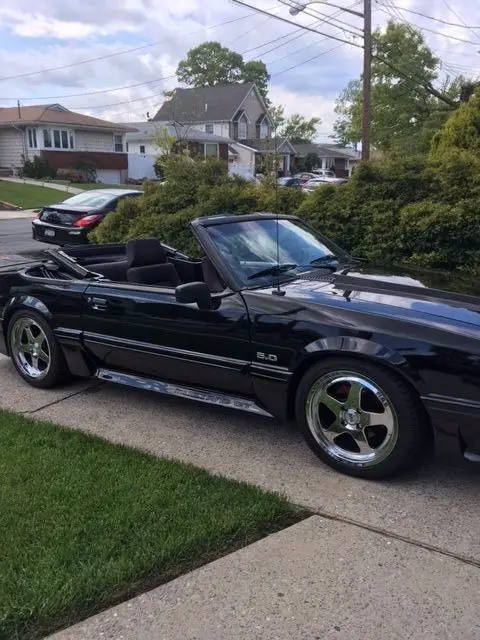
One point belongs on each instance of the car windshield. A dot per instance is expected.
(250, 249)
(89, 199)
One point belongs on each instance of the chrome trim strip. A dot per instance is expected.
(167, 352)
(448, 400)
(190, 393)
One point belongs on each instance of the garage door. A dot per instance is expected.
(108, 176)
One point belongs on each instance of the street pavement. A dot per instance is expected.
(16, 237)
(392, 560)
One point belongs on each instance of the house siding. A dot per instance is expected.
(221, 129)
(150, 148)
(11, 148)
(93, 141)
(254, 109)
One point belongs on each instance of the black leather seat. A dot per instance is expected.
(145, 252)
(163, 275)
(116, 271)
(147, 264)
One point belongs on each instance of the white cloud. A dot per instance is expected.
(52, 33)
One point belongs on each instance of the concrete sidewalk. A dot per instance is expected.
(17, 215)
(319, 579)
(399, 559)
(43, 183)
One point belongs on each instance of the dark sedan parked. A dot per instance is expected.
(372, 364)
(70, 221)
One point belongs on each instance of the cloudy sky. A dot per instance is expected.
(42, 43)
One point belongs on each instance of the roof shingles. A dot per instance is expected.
(204, 104)
(51, 114)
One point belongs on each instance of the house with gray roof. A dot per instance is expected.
(330, 156)
(236, 112)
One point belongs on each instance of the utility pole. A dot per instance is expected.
(367, 78)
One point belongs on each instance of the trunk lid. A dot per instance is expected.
(65, 216)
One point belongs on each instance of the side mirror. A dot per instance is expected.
(194, 292)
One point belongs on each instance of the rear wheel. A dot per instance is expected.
(361, 419)
(35, 352)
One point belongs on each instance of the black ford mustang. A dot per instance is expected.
(373, 366)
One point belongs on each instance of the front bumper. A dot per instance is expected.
(56, 234)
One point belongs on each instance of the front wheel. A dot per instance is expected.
(35, 352)
(361, 419)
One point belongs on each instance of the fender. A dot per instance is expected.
(78, 361)
(353, 345)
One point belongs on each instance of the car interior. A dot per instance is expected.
(149, 263)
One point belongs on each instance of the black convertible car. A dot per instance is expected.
(374, 366)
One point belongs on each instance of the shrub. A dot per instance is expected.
(38, 169)
(116, 226)
(441, 235)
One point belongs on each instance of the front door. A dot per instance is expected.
(143, 330)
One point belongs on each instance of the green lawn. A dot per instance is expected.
(29, 196)
(85, 523)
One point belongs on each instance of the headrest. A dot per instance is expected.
(144, 252)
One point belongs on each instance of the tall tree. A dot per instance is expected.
(405, 102)
(299, 130)
(210, 64)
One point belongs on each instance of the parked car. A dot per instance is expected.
(294, 183)
(375, 365)
(304, 177)
(70, 221)
(324, 173)
(311, 185)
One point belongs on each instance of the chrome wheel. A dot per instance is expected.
(351, 418)
(30, 349)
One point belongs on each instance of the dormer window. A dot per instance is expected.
(264, 128)
(242, 127)
(209, 128)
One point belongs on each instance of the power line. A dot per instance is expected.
(440, 20)
(449, 8)
(171, 77)
(325, 16)
(121, 53)
(384, 9)
(307, 61)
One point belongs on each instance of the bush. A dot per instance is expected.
(38, 169)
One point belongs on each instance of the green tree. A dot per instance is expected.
(278, 115)
(300, 130)
(209, 64)
(406, 107)
(461, 132)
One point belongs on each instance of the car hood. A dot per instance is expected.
(394, 291)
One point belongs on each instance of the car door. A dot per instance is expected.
(143, 330)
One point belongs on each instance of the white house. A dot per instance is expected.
(65, 140)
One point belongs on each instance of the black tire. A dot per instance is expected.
(57, 372)
(405, 443)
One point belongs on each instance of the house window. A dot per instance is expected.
(142, 148)
(118, 143)
(242, 128)
(209, 128)
(126, 147)
(264, 129)
(47, 139)
(72, 142)
(32, 138)
(56, 139)
(211, 150)
(64, 135)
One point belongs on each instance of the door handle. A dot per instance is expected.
(98, 304)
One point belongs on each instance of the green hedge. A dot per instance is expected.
(423, 211)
